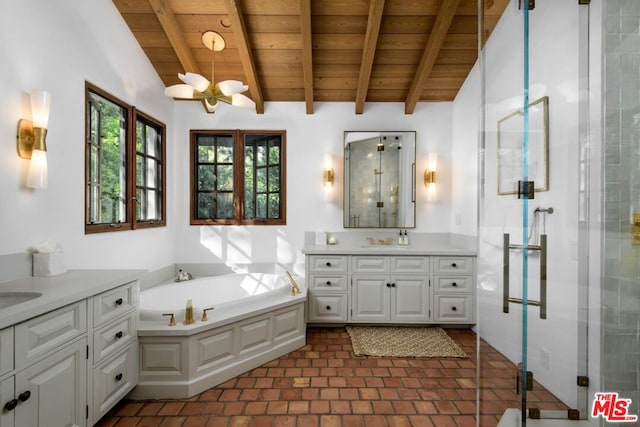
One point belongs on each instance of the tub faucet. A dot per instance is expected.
(295, 290)
(183, 276)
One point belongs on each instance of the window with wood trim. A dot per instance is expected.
(238, 177)
(125, 165)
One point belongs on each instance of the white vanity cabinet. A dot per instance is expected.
(390, 289)
(384, 288)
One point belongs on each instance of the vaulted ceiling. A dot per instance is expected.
(318, 51)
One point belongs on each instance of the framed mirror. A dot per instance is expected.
(379, 179)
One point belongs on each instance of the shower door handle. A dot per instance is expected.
(506, 299)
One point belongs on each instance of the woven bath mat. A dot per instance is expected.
(402, 342)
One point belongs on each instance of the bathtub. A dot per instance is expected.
(255, 320)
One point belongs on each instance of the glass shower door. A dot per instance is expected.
(532, 338)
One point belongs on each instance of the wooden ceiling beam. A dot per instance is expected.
(368, 52)
(436, 39)
(169, 24)
(236, 17)
(307, 55)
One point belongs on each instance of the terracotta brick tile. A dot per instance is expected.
(348, 394)
(173, 422)
(353, 421)
(411, 382)
(335, 363)
(210, 395)
(374, 382)
(286, 363)
(270, 394)
(310, 372)
(245, 382)
(370, 363)
(397, 372)
(408, 394)
(401, 363)
(355, 382)
(361, 407)
(275, 372)
(450, 363)
(340, 407)
(446, 407)
(425, 407)
(301, 407)
(262, 421)
(319, 363)
(228, 384)
(392, 382)
(171, 408)
(312, 355)
(380, 372)
(329, 372)
(213, 408)
(293, 372)
(240, 421)
(128, 422)
(233, 408)
(264, 383)
(465, 421)
(193, 421)
(229, 395)
(384, 363)
(364, 372)
(329, 394)
(376, 421)
(331, 421)
(129, 409)
(277, 407)
(342, 354)
(421, 421)
(249, 394)
(150, 408)
(319, 407)
(382, 407)
(272, 364)
(337, 382)
(465, 407)
(303, 363)
(399, 421)
(403, 407)
(107, 422)
(388, 394)
(255, 408)
(290, 394)
(319, 382)
(310, 394)
(467, 394)
(307, 421)
(443, 421)
(285, 421)
(368, 393)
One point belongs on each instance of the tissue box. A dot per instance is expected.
(49, 264)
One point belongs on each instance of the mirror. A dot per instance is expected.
(379, 179)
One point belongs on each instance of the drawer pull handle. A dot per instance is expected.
(454, 308)
(119, 334)
(328, 307)
(454, 265)
(24, 396)
(454, 284)
(393, 285)
(388, 285)
(11, 405)
(119, 301)
(328, 282)
(119, 377)
(328, 264)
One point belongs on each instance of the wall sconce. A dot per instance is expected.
(32, 139)
(327, 178)
(429, 177)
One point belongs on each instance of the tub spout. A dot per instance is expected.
(295, 289)
(188, 314)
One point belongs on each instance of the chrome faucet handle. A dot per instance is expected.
(204, 314)
(172, 319)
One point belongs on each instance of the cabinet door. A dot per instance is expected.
(6, 396)
(410, 299)
(53, 392)
(370, 299)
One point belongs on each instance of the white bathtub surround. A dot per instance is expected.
(183, 360)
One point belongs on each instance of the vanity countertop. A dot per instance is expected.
(58, 291)
(387, 250)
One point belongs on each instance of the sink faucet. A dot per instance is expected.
(183, 276)
(371, 241)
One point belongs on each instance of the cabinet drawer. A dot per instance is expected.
(114, 303)
(328, 263)
(451, 284)
(456, 309)
(113, 379)
(6, 350)
(328, 283)
(410, 264)
(458, 265)
(40, 335)
(327, 308)
(113, 336)
(370, 264)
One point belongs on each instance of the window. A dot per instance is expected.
(238, 177)
(116, 152)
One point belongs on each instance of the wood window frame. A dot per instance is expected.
(131, 115)
(238, 179)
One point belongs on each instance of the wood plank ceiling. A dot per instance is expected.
(318, 51)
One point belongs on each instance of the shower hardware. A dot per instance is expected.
(204, 317)
(172, 318)
(506, 299)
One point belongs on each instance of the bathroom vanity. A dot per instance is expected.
(431, 281)
(68, 346)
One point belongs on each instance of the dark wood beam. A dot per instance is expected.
(307, 56)
(236, 17)
(434, 44)
(368, 52)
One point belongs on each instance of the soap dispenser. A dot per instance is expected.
(406, 238)
(400, 238)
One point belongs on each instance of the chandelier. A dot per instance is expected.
(198, 87)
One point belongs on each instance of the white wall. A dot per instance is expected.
(312, 141)
(553, 72)
(56, 45)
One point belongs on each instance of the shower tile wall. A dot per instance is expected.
(621, 282)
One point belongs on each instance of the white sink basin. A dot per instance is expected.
(7, 299)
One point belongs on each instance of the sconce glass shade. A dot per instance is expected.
(40, 105)
(429, 177)
(37, 175)
(327, 178)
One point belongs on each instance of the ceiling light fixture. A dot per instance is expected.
(198, 87)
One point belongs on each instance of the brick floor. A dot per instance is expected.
(323, 384)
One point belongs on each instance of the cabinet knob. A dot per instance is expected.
(388, 285)
(119, 334)
(454, 284)
(393, 285)
(11, 405)
(24, 396)
(119, 301)
(454, 265)
(453, 308)
(328, 264)
(328, 282)
(118, 377)
(328, 307)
